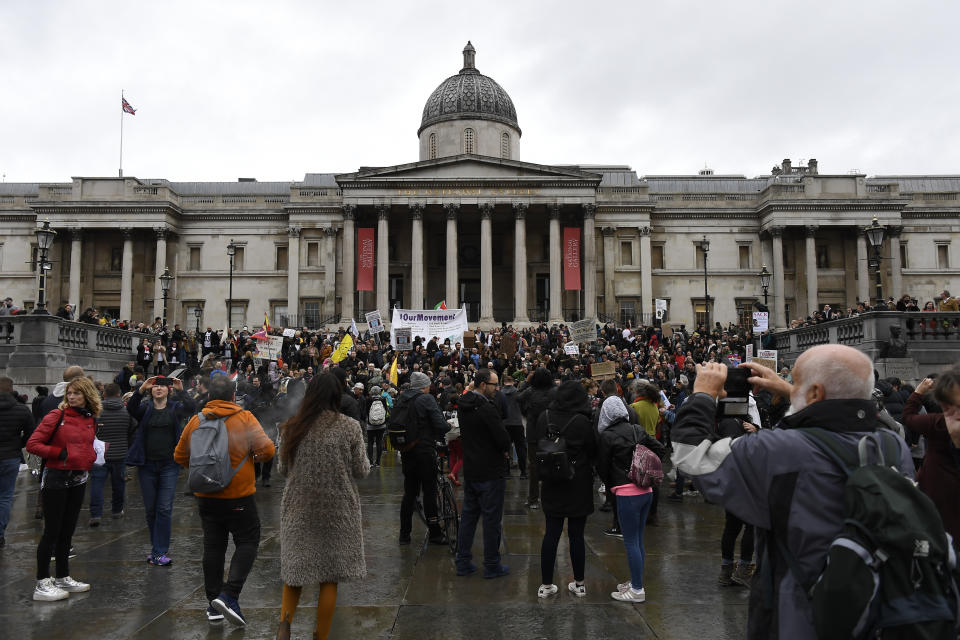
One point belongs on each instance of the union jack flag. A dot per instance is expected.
(127, 108)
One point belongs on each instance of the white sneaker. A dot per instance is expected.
(546, 590)
(47, 591)
(578, 590)
(630, 595)
(70, 585)
(624, 586)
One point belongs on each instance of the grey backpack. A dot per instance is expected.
(210, 468)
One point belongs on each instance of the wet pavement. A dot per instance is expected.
(411, 592)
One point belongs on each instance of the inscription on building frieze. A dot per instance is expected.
(470, 191)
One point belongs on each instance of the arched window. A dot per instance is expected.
(505, 146)
(468, 141)
(433, 146)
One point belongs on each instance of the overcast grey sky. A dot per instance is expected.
(273, 90)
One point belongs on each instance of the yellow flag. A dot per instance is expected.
(343, 349)
(393, 371)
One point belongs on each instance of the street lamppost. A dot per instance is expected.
(875, 234)
(165, 280)
(45, 236)
(705, 247)
(231, 251)
(765, 276)
(197, 311)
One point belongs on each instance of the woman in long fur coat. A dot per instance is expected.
(322, 453)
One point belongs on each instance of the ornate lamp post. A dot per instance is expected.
(765, 276)
(231, 251)
(45, 236)
(165, 280)
(197, 312)
(875, 233)
(705, 247)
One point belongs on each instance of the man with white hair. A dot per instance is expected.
(778, 480)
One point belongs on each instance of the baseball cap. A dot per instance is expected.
(359, 385)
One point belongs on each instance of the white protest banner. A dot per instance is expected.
(761, 321)
(270, 348)
(442, 323)
(571, 349)
(583, 331)
(289, 333)
(749, 352)
(660, 308)
(767, 357)
(375, 322)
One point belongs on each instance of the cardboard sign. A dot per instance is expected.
(761, 321)
(767, 357)
(583, 331)
(667, 330)
(375, 321)
(571, 349)
(509, 346)
(289, 333)
(403, 339)
(469, 339)
(603, 370)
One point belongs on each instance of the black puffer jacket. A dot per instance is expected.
(16, 425)
(617, 443)
(485, 440)
(115, 426)
(570, 498)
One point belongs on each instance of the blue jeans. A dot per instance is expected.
(158, 483)
(9, 469)
(117, 470)
(486, 499)
(632, 511)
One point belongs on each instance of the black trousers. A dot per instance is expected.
(220, 518)
(728, 542)
(519, 441)
(375, 441)
(419, 474)
(551, 538)
(262, 470)
(61, 509)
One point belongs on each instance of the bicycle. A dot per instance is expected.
(448, 517)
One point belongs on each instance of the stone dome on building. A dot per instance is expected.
(469, 113)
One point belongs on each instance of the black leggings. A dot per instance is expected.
(519, 441)
(375, 441)
(551, 538)
(728, 542)
(61, 509)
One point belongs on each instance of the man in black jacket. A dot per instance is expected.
(115, 426)
(16, 425)
(419, 463)
(486, 444)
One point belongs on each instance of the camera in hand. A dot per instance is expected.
(163, 381)
(738, 392)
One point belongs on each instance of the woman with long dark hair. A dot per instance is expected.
(322, 453)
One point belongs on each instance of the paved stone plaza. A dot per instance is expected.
(410, 592)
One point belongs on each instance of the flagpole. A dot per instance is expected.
(121, 132)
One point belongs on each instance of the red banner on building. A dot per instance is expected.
(571, 258)
(365, 258)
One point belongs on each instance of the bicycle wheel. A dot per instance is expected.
(450, 516)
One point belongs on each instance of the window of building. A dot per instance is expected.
(903, 255)
(505, 146)
(313, 254)
(823, 256)
(745, 312)
(943, 256)
(116, 259)
(433, 146)
(468, 140)
(699, 258)
(238, 259)
(190, 314)
(626, 253)
(194, 258)
(700, 312)
(744, 256)
(279, 315)
(281, 262)
(656, 256)
(311, 314)
(238, 314)
(628, 313)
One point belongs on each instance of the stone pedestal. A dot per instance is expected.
(904, 368)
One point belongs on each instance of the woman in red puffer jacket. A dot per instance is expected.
(65, 440)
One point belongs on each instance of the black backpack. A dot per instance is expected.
(553, 461)
(891, 572)
(404, 428)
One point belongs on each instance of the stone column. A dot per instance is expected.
(779, 295)
(383, 260)
(293, 271)
(556, 290)
(486, 264)
(812, 291)
(349, 266)
(589, 262)
(896, 268)
(76, 253)
(863, 268)
(646, 276)
(609, 272)
(159, 265)
(520, 263)
(330, 271)
(417, 276)
(126, 277)
(453, 277)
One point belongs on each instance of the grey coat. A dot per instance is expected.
(321, 534)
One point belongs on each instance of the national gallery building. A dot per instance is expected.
(472, 224)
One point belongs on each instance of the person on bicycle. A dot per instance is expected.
(419, 463)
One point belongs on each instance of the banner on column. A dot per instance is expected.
(571, 258)
(442, 323)
(365, 258)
